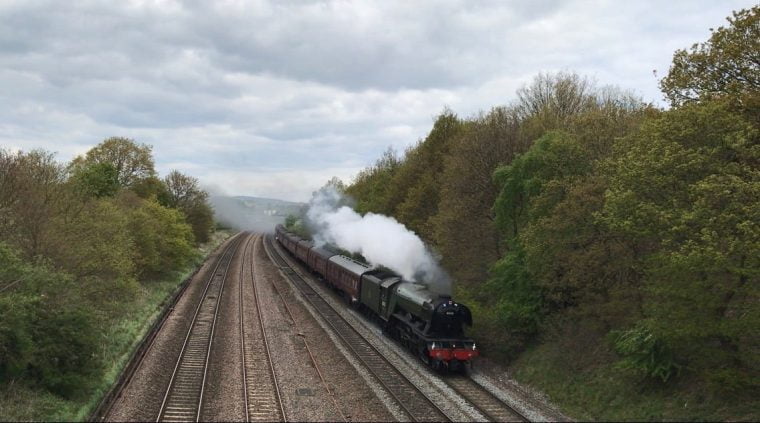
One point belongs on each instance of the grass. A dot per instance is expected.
(585, 384)
(22, 402)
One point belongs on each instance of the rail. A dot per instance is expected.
(493, 408)
(413, 401)
(263, 401)
(184, 394)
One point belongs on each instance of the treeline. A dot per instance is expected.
(579, 213)
(76, 242)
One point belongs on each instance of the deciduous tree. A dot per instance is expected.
(133, 162)
(727, 65)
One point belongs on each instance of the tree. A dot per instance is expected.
(414, 191)
(727, 65)
(336, 184)
(133, 162)
(685, 191)
(465, 232)
(185, 195)
(96, 179)
(98, 251)
(551, 100)
(371, 185)
(48, 334)
(153, 188)
(529, 186)
(34, 194)
(163, 240)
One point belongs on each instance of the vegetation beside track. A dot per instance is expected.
(87, 251)
(24, 400)
(607, 248)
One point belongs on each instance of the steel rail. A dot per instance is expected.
(308, 350)
(242, 330)
(491, 406)
(265, 408)
(410, 398)
(138, 355)
(183, 401)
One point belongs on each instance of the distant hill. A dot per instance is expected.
(253, 213)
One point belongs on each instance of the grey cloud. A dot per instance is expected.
(301, 88)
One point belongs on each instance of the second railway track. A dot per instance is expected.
(184, 395)
(263, 401)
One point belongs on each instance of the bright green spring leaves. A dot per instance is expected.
(658, 241)
(77, 241)
(685, 191)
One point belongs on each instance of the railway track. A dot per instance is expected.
(493, 408)
(184, 393)
(103, 411)
(260, 390)
(414, 402)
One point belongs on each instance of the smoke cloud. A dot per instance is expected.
(252, 213)
(382, 240)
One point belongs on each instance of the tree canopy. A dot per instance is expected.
(133, 162)
(727, 65)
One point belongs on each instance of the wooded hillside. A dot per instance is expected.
(612, 239)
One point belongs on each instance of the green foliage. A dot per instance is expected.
(65, 354)
(726, 66)
(16, 342)
(531, 185)
(43, 335)
(555, 156)
(643, 352)
(185, 195)
(98, 240)
(133, 162)
(414, 191)
(464, 229)
(370, 187)
(290, 221)
(163, 241)
(516, 300)
(96, 179)
(33, 196)
(73, 240)
(200, 217)
(295, 224)
(619, 237)
(98, 253)
(153, 188)
(685, 191)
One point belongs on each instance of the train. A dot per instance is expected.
(429, 324)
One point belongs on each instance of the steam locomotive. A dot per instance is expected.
(429, 324)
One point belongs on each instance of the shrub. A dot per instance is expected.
(644, 353)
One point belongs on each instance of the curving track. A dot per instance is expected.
(184, 394)
(417, 406)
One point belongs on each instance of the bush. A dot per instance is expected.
(644, 353)
(164, 241)
(65, 358)
(16, 341)
(45, 335)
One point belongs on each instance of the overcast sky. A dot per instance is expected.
(273, 98)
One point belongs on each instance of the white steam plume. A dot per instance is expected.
(382, 240)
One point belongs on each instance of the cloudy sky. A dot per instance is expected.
(273, 98)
